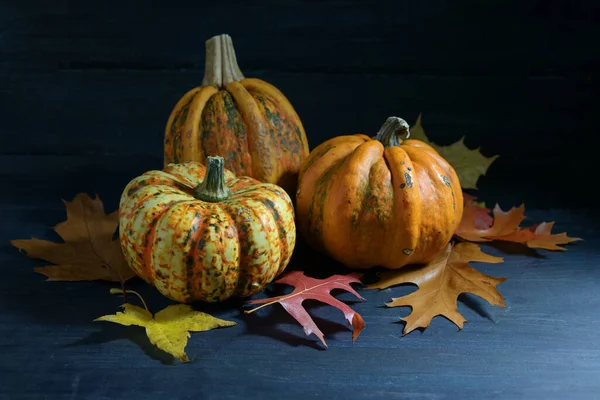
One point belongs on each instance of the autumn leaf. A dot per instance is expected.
(440, 283)
(316, 289)
(169, 329)
(88, 252)
(468, 164)
(476, 213)
(538, 236)
(474, 227)
(505, 226)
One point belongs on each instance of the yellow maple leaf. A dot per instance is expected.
(469, 164)
(169, 329)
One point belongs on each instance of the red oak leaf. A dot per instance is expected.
(316, 289)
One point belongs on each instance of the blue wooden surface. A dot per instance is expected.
(85, 90)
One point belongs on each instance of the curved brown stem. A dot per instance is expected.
(393, 131)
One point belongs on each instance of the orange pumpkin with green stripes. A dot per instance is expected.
(199, 233)
(247, 121)
(380, 201)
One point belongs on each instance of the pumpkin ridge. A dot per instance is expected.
(280, 100)
(315, 227)
(282, 136)
(255, 264)
(195, 234)
(214, 274)
(149, 238)
(172, 133)
(235, 210)
(190, 132)
(348, 200)
(284, 245)
(256, 132)
(430, 167)
(224, 133)
(406, 206)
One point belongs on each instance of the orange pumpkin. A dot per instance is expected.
(247, 121)
(381, 201)
(199, 233)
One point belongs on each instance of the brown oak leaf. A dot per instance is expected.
(316, 289)
(88, 252)
(440, 283)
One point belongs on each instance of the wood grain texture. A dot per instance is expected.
(499, 37)
(543, 345)
(519, 80)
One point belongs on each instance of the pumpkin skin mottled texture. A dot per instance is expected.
(378, 201)
(192, 249)
(247, 121)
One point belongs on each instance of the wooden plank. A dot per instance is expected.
(125, 112)
(542, 345)
(346, 36)
(29, 179)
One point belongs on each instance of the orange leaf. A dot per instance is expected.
(474, 228)
(480, 216)
(538, 237)
(440, 283)
(316, 289)
(88, 252)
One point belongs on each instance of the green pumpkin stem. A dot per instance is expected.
(221, 67)
(393, 131)
(213, 187)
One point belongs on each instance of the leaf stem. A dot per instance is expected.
(124, 293)
(261, 306)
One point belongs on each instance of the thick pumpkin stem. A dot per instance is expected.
(393, 131)
(213, 186)
(221, 67)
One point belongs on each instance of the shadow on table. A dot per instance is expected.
(272, 324)
(109, 333)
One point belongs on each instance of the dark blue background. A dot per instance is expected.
(85, 92)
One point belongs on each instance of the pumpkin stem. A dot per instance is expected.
(393, 131)
(221, 67)
(213, 187)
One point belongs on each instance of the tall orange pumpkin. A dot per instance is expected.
(247, 121)
(380, 201)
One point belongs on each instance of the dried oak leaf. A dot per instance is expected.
(440, 283)
(505, 226)
(316, 289)
(169, 329)
(538, 236)
(88, 252)
(468, 164)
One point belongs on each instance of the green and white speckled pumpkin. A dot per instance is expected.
(200, 234)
